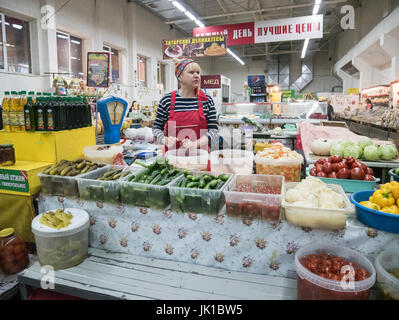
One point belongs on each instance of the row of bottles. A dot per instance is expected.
(44, 112)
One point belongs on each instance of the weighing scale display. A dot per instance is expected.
(115, 111)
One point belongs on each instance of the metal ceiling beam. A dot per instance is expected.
(280, 52)
(304, 5)
(224, 7)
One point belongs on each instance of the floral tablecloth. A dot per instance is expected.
(216, 241)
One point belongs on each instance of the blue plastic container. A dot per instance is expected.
(393, 175)
(372, 218)
(349, 186)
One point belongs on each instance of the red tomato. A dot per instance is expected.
(340, 165)
(313, 172)
(349, 161)
(322, 174)
(343, 173)
(357, 173)
(319, 167)
(332, 175)
(335, 159)
(370, 171)
(334, 166)
(327, 168)
(368, 177)
(363, 166)
(321, 161)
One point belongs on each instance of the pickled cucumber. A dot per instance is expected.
(57, 220)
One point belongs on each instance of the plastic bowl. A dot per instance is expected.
(373, 218)
(393, 175)
(387, 283)
(195, 159)
(313, 287)
(232, 161)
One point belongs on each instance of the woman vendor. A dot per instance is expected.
(186, 118)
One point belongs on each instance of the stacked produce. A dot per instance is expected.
(390, 119)
(159, 173)
(148, 187)
(196, 192)
(58, 219)
(337, 167)
(279, 160)
(365, 149)
(314, 193)
(386, 199)
(204, 181)
(113, 174)
(72, 168)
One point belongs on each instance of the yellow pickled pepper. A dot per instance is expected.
(383, 198)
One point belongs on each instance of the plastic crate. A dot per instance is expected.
(254, 205)
(349, 186)
(197, 200)
(316, 217)
(98, 190)
(60, 185)
(145, 195)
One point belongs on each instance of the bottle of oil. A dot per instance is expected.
(62, 121)
(50, 114)
(40, 113)
(23, 99)
(13, 115)
(30, 113)
(6, 111)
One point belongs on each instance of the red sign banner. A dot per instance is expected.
(240, 33)
(211, 82)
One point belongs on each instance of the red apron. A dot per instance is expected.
(187, 124)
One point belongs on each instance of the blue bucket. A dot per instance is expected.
(373, 218)
(394, 175)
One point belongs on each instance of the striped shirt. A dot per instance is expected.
(182, 105)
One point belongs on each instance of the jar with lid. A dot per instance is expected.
(13, 253)
(7, 155)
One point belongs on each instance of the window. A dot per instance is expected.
(15, 54)
(161, 76)
(69, 55)
(142, 71)
(114, 63)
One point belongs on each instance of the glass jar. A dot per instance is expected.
(13, 253)
(7, 155)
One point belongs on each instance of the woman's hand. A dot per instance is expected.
(170, 142)
(188, 144)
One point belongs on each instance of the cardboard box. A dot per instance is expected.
(21, 178)
(49, 146)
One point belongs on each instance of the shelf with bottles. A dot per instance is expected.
(44, 112)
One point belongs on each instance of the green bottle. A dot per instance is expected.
(88, 112)
(62, 114)
(69, 112)
(40, 113)
(29, 113)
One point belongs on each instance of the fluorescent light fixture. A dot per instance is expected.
(190, 15)
(17, 26)
(235, 56)
(199, 24)
(75, 42)
(6, 23)
(178, 6)
(316, 9)
(62, 36)
(317, 2)
(305, 47)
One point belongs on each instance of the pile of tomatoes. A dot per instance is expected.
(337, 167)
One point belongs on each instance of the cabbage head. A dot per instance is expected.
(371, 153)
(352, 151)
(365, 142)
(387, 152)
(337, 149)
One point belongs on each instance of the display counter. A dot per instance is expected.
(220, 241)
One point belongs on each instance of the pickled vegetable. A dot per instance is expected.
(57, 220)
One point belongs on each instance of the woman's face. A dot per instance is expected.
(190, 77)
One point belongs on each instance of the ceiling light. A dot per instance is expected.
(317, 2)
(305, 47)
(316, 9)
(235, 56)
(199, 24)
(17, 26)
(75, 42)
(6, 23)
(190, 15)
(62, 36)
(178, 6)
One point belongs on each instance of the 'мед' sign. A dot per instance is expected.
(211, 82)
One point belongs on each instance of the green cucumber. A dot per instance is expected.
(192, 185)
